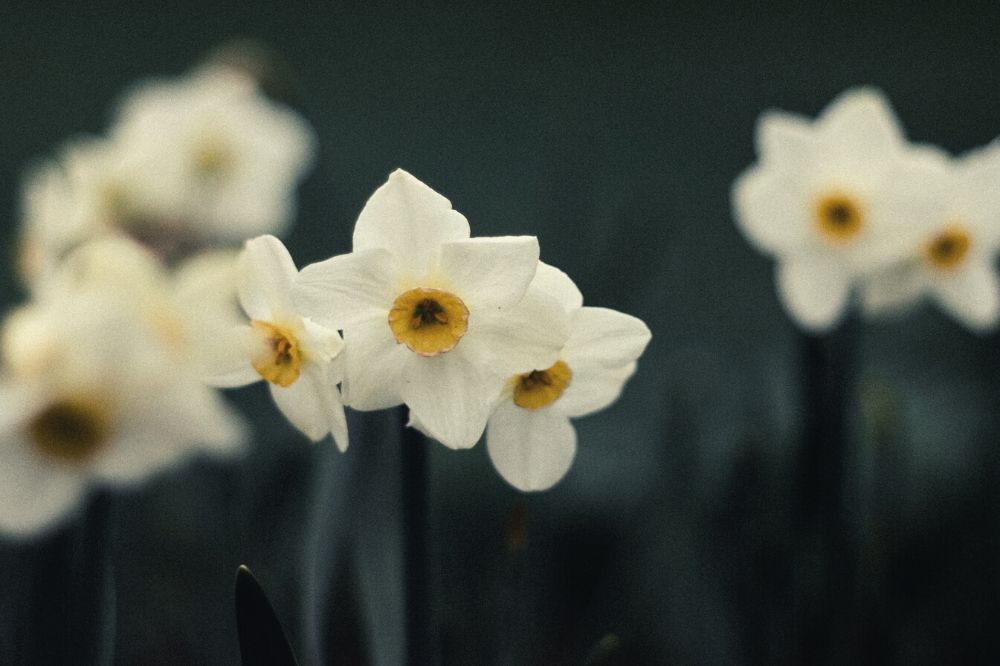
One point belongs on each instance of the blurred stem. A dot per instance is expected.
(824, 594)
(415, 480)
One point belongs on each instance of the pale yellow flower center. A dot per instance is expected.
(839, 218)
(212, 159)
(540, 388)
(279, 361)
(71, 431)
(948, 249)
(428, 321)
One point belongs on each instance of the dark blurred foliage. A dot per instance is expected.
(612, 131)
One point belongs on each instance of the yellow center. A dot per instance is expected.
(212, 159)
(280, 359)
(71, 431)
(540, 388)
(428, 321)
(948, 248)
(839, 218)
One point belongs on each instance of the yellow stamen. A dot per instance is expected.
(212, 159)
(948, 249)
(71, 431)
(540, 388)
(839, 218)
(428, 321)
(280, 360)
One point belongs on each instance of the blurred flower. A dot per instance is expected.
(951, 238)
(530, 438)
(297, 357)
(210, 149)
(432, 318)
(92, 393)
(816, 200)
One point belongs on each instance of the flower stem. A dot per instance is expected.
(415, 480)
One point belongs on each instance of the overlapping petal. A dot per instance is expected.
(266, 274)
(348, 289)
(814, 290)
(531, 450)
(373, 365)
(490, 272)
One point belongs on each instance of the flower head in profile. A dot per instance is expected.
(816, 201)
(431, 317)
(91, 394)
(530, 438)
(296, 356)
(951, 236)
(211, 151)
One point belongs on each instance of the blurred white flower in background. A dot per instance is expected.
(817, 201)
(951, 239)
(432, 318)
(530, 438)
(297, 357)
(92, 392)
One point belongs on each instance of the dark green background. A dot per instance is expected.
(612, 132)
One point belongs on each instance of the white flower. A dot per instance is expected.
(92, 396)
(530, 438)
(816, 200)
(432, 318)
(210, 149)
(951, 236)
(296, 356)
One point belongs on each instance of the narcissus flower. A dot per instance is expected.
(296, 356)
(816, 200)
(92, 395)
(530, 438)
(432, 318)
(951, 238)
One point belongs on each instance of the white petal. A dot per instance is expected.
(592, 388)
(771, 211)
(526, 336)
(893, 291)
(347, 288)
(605, 337)
(532, 450)
(451, 397)
(409, 219)
(558, 285)
(972, 296)
(862, 122)
(309, 405)
(228, 364)
(266, 273)
(490, 272)
(34, 495)
(373, 365)
(814, 291)
(785, 140)
(324, 343)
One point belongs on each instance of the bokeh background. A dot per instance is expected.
(612, 132)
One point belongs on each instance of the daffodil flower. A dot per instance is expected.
(296, 356)
(432, 318)
(816, 201)
(530, 438)
(92, 396)
(951, 237)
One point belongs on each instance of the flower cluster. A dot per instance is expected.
(849, 208)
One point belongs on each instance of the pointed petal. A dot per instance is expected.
(972, 296)
(266, 272)
(490, 272)
(785, 140)
(451, 397)
(862, 122)
(605, 337)
(306, 404)
(373, 365)
(814, 292)
(770, 211)
(532, 451)
(347, 288)
(558, 285)
(592, 388)
(410, 220)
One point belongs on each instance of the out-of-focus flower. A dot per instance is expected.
(530, 438)
(951, 236)
(92, 394)
(432, 318)
(817, 201)
(211, 150)
(296, 356)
